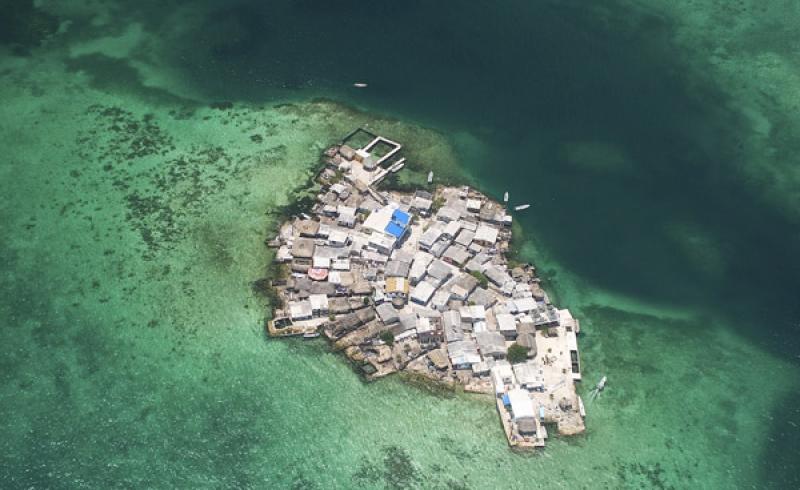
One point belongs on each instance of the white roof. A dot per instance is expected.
(441, 297)
(524, 305)
(424, 325)
(505, 322)
(486, 233)
(322, 262)
(337, 236)
(452, 228)
(346, 210)
(473, 312)
(378, 219)
(382, 241)
(521, 404)
(341, 264)
(318, 301)
(422, 292)
(473, 204)
(300, 309)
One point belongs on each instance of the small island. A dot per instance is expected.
(420, 282)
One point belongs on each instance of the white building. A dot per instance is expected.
(422, 293)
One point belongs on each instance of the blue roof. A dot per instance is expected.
(395, 229)
(401, 217)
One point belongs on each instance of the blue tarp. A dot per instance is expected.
(401, 217)
(506, 401)
(394, 229)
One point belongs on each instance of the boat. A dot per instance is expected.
(581, 408)
(521, 207)
(360, 85)
(310, 335)
(601, 384)
(430, 176)
(505, 197)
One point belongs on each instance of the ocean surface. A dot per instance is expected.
(149, 147)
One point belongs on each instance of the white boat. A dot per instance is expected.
(360, 85)
(521, 207)
(430, 176)
(581, 408)
(505, 197)
(601, 384)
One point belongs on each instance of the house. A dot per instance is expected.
(486, 235)
(422, 202)
(448, 213)
(397, 268)
(366, 159)
(439, 271)
(382, 243)
(438, 248)
(522, 411)
(387, 313)
(522, 305)
(439, 359)
(347, 216)
(337, 238)
(473, 205)
(307, 228)
(430, 237)
(473, 313)
(398, 224)
(321, 262)
(451, 326)
(529, 376)
(319, 304)
(429, 331)
(465, 237)
(419, 267)
(502, 376)
(506, 325)
(422, 293)
(496, 276)
(463, 354)
(463, 286)
(440, 299)
(451, 229)
(300, 310)
(303, 248)
(340, 264)
(397, 287)
(456, 255)
(491, 344)
(347, 152)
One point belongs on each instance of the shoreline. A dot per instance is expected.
(423, 283)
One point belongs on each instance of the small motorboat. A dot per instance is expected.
(430, 176)
(521, 207)
(505, 197)
(601, 384)
(581, 408)
(360, 85)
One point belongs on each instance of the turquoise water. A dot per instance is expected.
(148, 149)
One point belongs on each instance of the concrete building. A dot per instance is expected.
(491, 344)
(422, 293)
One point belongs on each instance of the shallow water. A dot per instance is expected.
(149, 149)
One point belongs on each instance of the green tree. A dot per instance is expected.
(388, 337)
(517, 353)
(481, 277)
